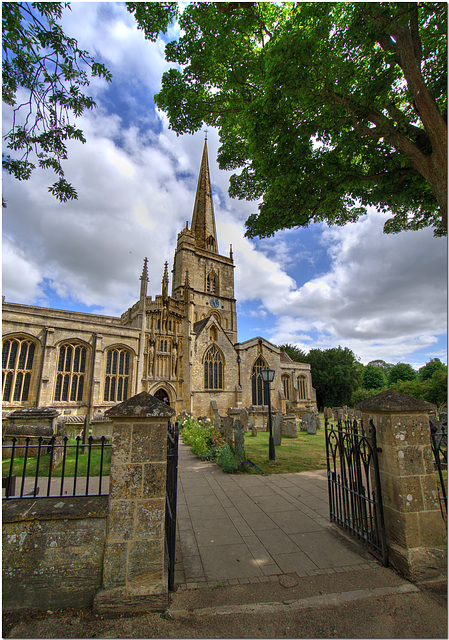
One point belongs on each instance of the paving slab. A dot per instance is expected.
(237, 527)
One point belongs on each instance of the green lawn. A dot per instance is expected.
(304, 453)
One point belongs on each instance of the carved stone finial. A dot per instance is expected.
(144, 275)
(165, 281)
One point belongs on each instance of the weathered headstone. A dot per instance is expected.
(318, 421)
(304, 424)
(226, 429)
(277, 429)
(289, 428)
(216, 414)
(253, 430)
(311, 427)
(244, 418)
(239, 438)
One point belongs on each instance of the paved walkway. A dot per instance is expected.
(235, 529)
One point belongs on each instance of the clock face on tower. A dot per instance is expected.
(214, 303)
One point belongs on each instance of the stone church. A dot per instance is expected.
(182, 347)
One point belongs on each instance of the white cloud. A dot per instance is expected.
(20, 276)
(382, 293)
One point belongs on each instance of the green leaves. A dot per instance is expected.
(316, 104)
(47, 67)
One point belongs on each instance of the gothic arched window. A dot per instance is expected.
(258, 387)
(71, 372)
(213, 369)
(17, 365)
(302, 387)
(286, 385)
(117, 375)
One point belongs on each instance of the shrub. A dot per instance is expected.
(226, 459)
(201, 437)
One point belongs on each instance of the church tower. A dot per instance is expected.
(211, 275)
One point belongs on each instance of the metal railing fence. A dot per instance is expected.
(53, 467)
(438, 441)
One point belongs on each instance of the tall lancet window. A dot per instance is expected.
(213, 369)
(258, 387)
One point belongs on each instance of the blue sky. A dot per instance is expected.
(382, 296)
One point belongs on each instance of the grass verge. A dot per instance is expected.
(307, 452)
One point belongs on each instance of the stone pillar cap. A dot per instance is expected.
(143, 405)
(391, 400)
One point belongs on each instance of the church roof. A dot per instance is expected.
(203, 217)
(199, 326)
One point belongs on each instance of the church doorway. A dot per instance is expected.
(162, 395)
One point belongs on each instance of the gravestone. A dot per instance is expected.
(304, 424)
(216, 414)
(244, 418)
(253, 430)
(277, 429)
(239, 438)
(289, 428)
(311, 427)
(318, 421)
(227, 430)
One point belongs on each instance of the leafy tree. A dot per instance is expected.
(401, 371)
(44, 72)
(381, 364)
(361, 394)
(436, 391)
(323, 108)
(298, 355)
(433, 390)
(373, 377)
(414, 388)
(335, 375)
(429, 368)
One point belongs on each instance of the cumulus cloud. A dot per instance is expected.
(381, 293)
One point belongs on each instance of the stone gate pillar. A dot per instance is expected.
(415, 530)
(134, 576)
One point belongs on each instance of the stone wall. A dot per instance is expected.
(52, 552)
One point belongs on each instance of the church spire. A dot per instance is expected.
(203, 218)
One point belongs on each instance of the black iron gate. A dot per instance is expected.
(438, 441)
(170, 501)
(355, 499)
